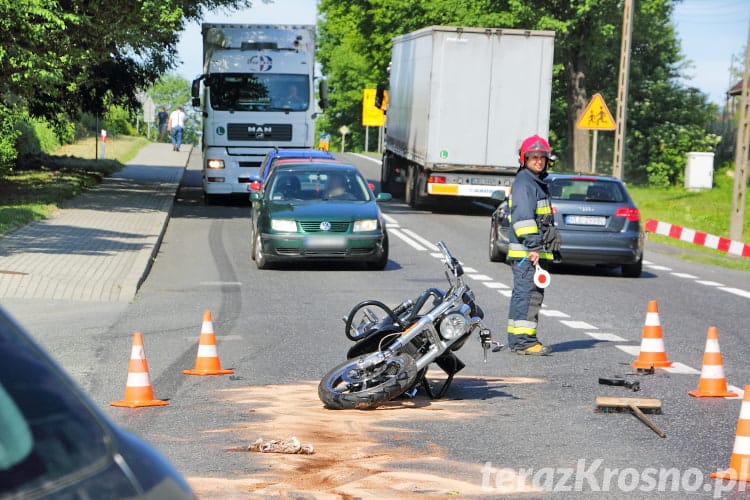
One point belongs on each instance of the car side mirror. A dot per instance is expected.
(255, 196)
(384, 197)
(498, 196)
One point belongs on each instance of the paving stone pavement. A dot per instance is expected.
(99, 245)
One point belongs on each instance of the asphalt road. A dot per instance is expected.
(520, 425)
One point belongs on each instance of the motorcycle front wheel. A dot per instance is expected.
(349, 386)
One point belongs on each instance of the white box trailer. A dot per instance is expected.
(460, 101)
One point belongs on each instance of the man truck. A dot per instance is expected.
(460, 101)
(256, 93)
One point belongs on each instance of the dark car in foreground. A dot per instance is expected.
(598, 221)
(56, 443)
(300, 215)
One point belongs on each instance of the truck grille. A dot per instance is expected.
(259, 132)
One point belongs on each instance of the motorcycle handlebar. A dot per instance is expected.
(450, 260)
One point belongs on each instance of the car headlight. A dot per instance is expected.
(215, 164)
(453, 326)
(365, 225)
(283, 225)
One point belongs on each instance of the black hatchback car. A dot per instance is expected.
(598, 221)
(55, 442)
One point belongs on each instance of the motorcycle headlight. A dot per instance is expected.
(453, 326)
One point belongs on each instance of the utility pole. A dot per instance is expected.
(737, 217)
(622, 91)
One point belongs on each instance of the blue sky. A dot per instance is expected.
(712, 33)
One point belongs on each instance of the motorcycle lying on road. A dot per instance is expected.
(394, 347)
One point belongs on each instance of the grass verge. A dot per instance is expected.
(35, 189)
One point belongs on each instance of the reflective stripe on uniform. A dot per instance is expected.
(518, 251)
(543, 207)
(521, 327)
(525, 227)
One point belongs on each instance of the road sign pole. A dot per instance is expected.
(367, 138)
(593, 150)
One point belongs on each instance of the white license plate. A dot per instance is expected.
(586, 220)
(325, 242)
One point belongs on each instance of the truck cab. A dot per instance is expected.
(256, 93)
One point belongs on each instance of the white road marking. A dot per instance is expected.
(578, 325)
(685, 275)
(480, 277)
(495, 284)
(736, 291)
(633, 350)
(607, 337)
(681, 368)
(398, 234)
(553, 313)
(427, 243)
(708, 283)
(660, 268)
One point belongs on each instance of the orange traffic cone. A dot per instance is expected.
(138, 390)
(652, 353)
(713, 383)
(739, 464)
(207, 362)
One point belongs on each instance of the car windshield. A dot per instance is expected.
(586, 189)
(258, 92)
(318, 185)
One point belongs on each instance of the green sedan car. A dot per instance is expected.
(318, 211)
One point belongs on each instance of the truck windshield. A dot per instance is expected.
(259, 92)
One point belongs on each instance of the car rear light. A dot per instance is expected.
(554, 209)
(254, 186)
(436, 179)
(371, 186)
(632, 214)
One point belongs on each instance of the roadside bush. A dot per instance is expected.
(117, 120)
(8, 134)
(35, 136)
(668, 154)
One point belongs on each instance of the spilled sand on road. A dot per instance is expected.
(349, 460)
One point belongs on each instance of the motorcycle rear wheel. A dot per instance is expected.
(348, 386)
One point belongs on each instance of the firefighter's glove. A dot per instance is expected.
(551, 239)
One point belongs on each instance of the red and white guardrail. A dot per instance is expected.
(698, 237)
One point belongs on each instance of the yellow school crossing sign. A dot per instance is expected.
(596, 116)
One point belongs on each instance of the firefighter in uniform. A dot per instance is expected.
(533, 240)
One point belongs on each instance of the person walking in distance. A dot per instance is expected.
(176, 127)
(161, 118)
(533, 241)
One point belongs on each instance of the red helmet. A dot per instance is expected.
(533, 144)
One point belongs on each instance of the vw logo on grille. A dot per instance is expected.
(325, 226)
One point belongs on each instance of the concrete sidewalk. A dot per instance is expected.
(100, 245)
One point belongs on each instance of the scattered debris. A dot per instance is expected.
(291, 445)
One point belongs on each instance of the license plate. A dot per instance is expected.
(325, 242)
(586, 220)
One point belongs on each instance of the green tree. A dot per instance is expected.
(65, 58)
